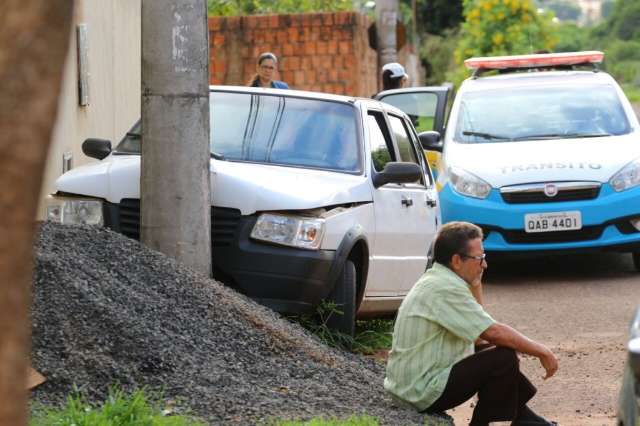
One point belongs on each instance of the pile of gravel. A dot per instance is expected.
(108, 310)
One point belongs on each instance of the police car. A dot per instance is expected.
(543, 154)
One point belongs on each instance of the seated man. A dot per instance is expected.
(432, 365)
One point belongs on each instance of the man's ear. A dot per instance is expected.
(456, 262)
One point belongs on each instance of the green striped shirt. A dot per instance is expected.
(436, 326)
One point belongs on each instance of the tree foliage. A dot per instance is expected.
(257, 7)
(619, 37)
(436, 16)
(503, 27)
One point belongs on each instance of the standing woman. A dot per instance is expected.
(266, 67)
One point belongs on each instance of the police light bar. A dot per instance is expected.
(533, 61)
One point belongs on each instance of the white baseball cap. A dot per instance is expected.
(397, 70)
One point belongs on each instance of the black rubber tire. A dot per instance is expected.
(344, 296)
(636, 260)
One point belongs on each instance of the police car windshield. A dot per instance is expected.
(540, 113)
(285, 130)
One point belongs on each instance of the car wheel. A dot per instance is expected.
(343, 318)
(636, 260)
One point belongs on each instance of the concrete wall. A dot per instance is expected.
(114, 33)
(327, 52)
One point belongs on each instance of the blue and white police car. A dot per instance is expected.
(543, 154)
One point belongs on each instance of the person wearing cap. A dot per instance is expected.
(266, 67)
(393, 76)
(433, 364)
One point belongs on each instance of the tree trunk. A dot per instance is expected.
(34, 37)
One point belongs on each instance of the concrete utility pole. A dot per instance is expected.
(175, 181)
(34, 40)
(386, 18)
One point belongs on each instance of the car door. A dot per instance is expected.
(397, 257)
(427, 109)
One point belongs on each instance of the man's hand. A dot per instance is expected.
(549, 362)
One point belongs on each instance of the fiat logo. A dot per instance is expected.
(550, 190)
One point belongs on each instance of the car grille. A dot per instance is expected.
(224, 222)
(566, 191)
(521, 237)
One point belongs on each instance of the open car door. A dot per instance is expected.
(427, 108)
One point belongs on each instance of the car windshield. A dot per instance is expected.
(284, 130)
(540, 113)
(276, 129)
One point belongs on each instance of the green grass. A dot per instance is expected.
(370, 337)
(136, 409)
(373, 335)
(632, 92)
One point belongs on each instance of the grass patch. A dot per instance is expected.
(370, 337)
(633, 92)
(136, 409)
(374, 335)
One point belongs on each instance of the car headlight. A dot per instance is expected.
(467, 184)
(627, 178)
(292, 231)
(76, 211)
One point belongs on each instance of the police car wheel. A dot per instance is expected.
(343, 317)
(636, 260)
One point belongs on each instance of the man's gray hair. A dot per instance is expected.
(454, 238)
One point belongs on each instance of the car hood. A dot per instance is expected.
(244, 186)
(511, 163)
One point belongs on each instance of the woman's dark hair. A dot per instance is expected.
(389, 82)
(454, 238)
(255, 79)
(267, 55)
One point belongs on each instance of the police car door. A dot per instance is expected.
(399, 252)
(426, 107)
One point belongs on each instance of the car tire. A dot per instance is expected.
(636, 260)
(344, 297)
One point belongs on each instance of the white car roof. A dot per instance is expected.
(310, 95)
(537, 79)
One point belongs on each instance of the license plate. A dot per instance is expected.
(552, 222)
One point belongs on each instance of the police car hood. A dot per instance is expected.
(512, 163)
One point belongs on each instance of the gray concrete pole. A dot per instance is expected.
(175, 216)
(386, 18)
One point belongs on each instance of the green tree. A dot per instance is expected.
(572, 38)
(503, 27)
(255, 7)
(436, 16)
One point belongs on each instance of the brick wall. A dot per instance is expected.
(325, 52)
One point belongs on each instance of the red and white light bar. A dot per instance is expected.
(532, 61)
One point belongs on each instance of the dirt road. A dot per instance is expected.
(580, 306)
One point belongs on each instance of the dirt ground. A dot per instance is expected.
(580, 306)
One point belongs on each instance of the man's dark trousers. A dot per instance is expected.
(495, 375)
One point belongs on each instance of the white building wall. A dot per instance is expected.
(114, 35)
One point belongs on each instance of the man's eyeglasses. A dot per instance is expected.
(480, 258)
(267, 67)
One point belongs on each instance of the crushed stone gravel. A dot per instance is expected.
(108, 310)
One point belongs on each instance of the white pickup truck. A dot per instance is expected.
(315, 197)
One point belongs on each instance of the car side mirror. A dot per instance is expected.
(397, 172)
(633, 348)
(96, 148)
(430, 140)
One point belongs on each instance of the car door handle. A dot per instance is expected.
(406, 201)
(431, 202)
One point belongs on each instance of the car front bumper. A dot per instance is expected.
(605, 221)
(286, 279)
